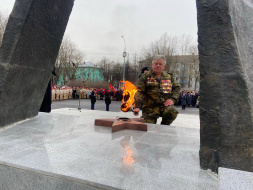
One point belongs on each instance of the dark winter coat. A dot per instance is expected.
(183, 100)
(189, 99)
(92, 98)
(107, 100)
(194, 100)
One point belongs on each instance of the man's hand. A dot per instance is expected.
(168, 102)
(136, 111)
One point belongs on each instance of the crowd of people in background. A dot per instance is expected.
(188, 99)
(65, 93)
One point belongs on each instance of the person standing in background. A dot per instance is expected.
(183, 101)
(143, 70)
(107, 101)
(93, 100)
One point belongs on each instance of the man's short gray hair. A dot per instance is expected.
(159, 57)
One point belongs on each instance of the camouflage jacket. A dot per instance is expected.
(154, 92)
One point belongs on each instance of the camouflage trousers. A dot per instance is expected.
(168, 114)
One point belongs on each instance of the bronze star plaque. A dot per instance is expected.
(121, 123)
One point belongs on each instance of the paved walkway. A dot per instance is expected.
(100, 105)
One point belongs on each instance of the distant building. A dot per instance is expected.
(86, 71)
(185, 69)
(90, 71)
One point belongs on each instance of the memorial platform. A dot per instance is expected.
(64, 150)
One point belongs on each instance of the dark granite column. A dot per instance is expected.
(27, 56)
(225, 30)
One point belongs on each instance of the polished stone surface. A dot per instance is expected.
(66, 145)
(235, 179)
(27, 180)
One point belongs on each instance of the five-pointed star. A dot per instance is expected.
(123, 123)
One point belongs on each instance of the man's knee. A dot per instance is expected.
(169, 115)
(150, 120)
(173, 113)
(169, 119)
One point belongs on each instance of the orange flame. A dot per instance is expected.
(128, 96)
(127, 159)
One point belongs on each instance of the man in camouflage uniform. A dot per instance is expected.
(159, 91)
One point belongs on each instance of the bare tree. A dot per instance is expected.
(170, 46)
(185, 41)
(112, 70)
(107, 65)
(68, 59)
(135, 68)
(193, 50)
(116, 72)
(166, 45)
(172, 51)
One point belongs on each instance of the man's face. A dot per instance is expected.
(158, 66)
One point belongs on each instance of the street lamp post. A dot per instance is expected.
(124, 55)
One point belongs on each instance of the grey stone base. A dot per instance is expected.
(15, 178)
(65, 150)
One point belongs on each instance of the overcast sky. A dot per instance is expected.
(96, 26)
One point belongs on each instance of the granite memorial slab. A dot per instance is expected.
(66, 151)
(27, 56)
(225, 29)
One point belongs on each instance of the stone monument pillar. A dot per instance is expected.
(27, 56)
(225, 34)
